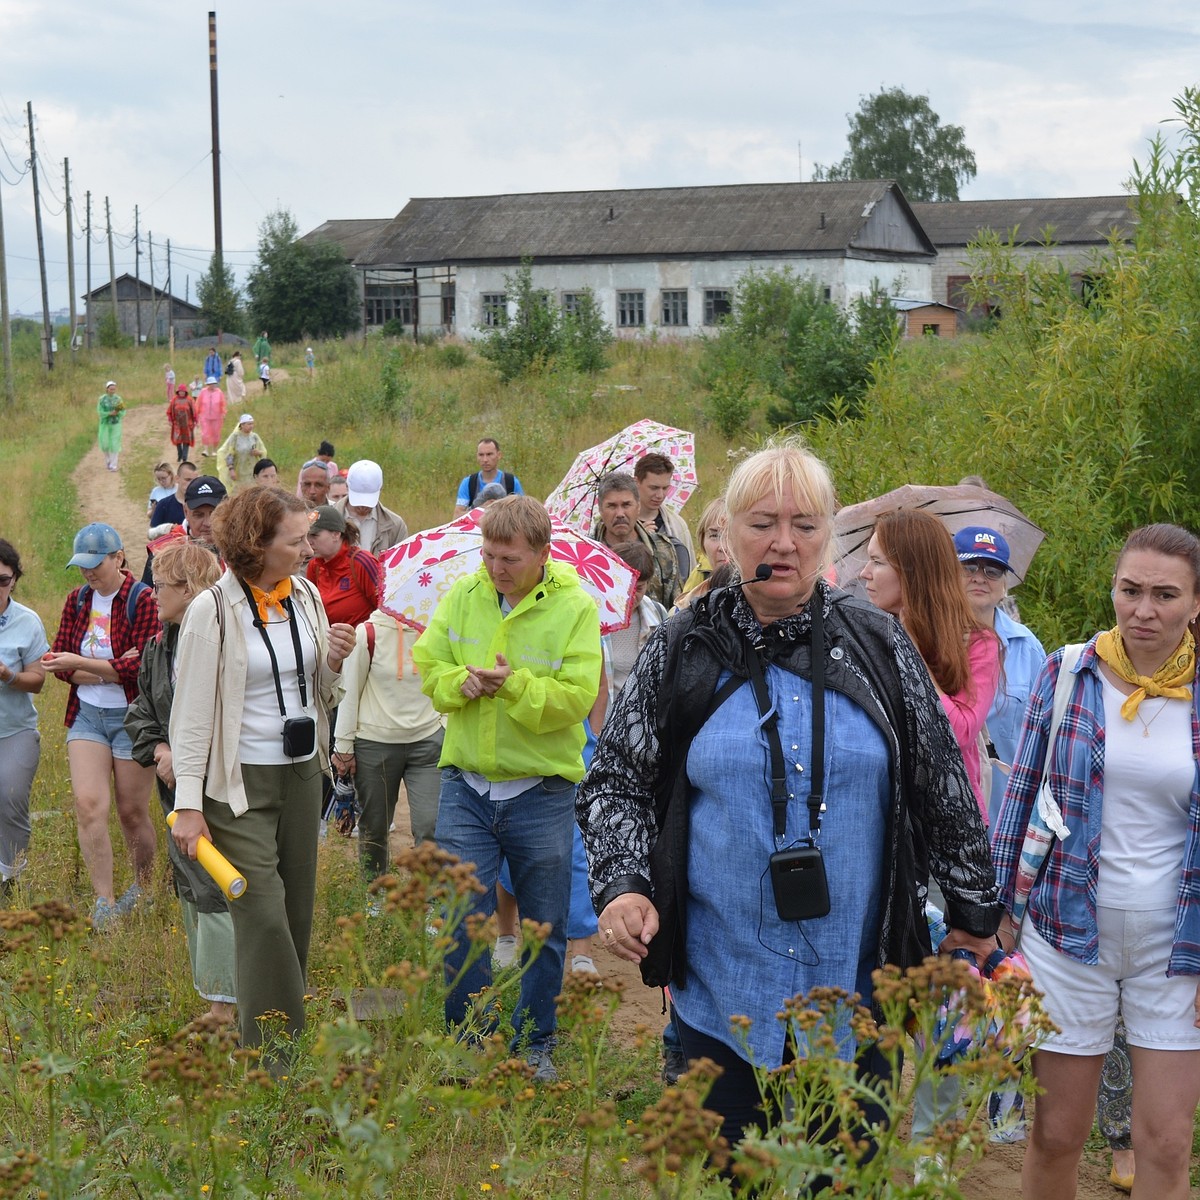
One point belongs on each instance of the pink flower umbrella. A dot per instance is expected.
(574, 500)
(419, 571)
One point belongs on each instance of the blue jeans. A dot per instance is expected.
(533, 832)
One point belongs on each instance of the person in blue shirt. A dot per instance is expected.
(985, 557)
(487, 454)
(213, 366)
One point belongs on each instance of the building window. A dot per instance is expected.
(931, 330)
(717, 305)
(631, 310)
(448, 305)
(384, 302)
(494, 309)
(570, 302)
(827, 294)
(674, 307)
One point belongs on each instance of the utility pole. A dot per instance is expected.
(112, 267)
(70, 248)
(218, 242)
(10, 390)
(153, 296)
(137, 278)
(170, 297)
(87, 319)
(47, 351)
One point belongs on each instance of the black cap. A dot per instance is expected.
(204, 489)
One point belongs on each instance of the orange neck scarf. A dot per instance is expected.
(273, 599)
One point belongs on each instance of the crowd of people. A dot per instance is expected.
(759, 786)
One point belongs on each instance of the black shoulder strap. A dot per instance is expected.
(779, 792)
(510, 482)
(472, 489)
(261, 626)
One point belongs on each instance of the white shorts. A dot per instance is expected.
(1131, 976)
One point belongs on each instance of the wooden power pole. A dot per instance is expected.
(70, 248)
(218, 241)
(112, 267)
(10, 390)
(87, 240)
(137, 278)
(47, 349)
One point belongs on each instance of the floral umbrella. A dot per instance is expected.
(574, 500)
(419, 571)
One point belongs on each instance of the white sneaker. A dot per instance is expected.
(584, 965)
(504, 954)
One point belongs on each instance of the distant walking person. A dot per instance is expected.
(210, 409)
(309, 361)
(262, 348)
(181, 420)
(213, 366)
(487, 455)
(235, 380)
(110, 408)
(264, 373)
(169, 373)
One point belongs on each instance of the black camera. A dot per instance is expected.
(299, 737)
(799, 883)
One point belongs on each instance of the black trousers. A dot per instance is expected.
(735, 1094)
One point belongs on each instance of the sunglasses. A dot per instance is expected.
(988, 570)
(5, 580)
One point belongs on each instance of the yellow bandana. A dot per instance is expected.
(1169, 680)
(272, 599)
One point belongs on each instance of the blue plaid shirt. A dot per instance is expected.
(1062, 905)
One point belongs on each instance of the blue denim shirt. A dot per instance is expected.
(742, 958)
(1023, 658)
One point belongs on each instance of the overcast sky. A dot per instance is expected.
(348, 110)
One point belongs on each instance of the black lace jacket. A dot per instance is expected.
(632, 806)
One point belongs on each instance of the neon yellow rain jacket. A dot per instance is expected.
(534, 723)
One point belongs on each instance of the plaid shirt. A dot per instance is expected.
(73, 625)
(1062, 905)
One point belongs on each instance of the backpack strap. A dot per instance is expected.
(510, 482)
(472, 489)
(370, 642)
(131, 600)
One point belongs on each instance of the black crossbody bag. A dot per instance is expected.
(798, 878)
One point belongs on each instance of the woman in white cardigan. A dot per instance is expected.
(258, 670)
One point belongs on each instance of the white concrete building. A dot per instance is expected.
(659, 261)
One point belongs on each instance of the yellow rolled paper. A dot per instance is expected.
(225, 875)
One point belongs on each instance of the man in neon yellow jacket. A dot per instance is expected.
(512, 656)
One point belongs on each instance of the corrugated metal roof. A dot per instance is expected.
(902, 305)
(354, 236)
(129, 288)
(793, 218)
(1075, 219)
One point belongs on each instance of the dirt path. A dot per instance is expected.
(101, 492)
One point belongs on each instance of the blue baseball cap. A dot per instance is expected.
(977, 541)
(93, 544)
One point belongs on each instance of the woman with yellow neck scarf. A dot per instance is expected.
(1113, 921)
(258, 669)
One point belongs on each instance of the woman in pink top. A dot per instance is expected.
(210, 411)
(913, 572)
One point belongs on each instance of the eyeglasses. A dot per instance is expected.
(989, 570)
(159, 584)
(5, 580)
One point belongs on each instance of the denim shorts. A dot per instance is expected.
(103, 725)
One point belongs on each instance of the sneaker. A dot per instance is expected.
(505, 952)
(128, 900)
(543, 1066)
(584, 965)
(103, 914)
(674, 1064)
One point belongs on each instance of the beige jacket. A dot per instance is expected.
(383, 701)
(390, 529)
(206, 718)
